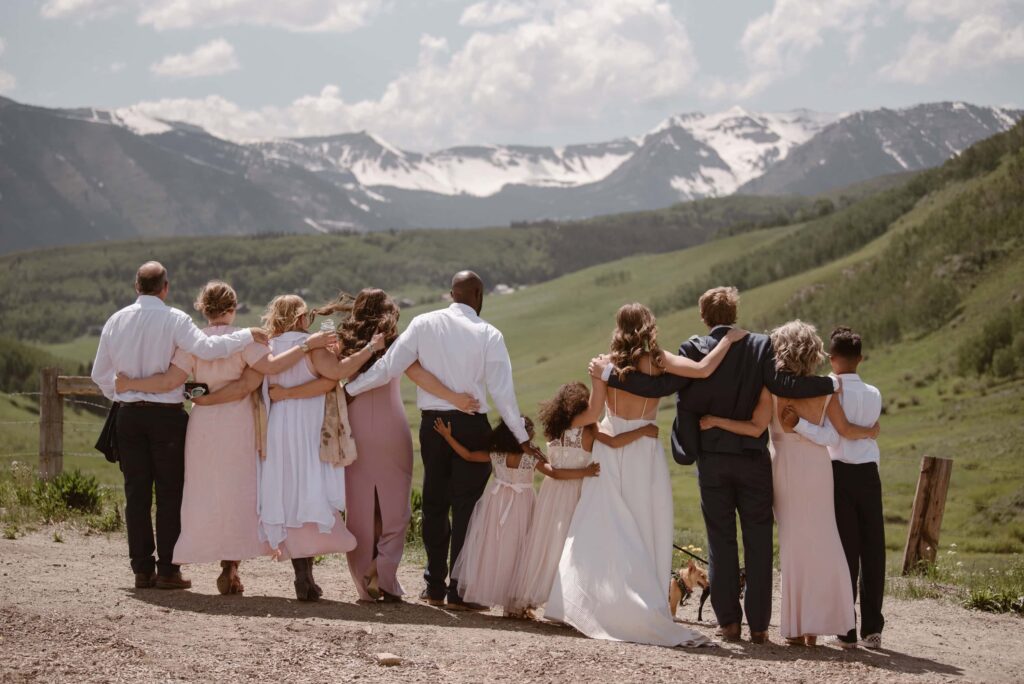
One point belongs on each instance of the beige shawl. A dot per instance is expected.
(337, 446)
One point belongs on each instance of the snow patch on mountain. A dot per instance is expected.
(748, 142)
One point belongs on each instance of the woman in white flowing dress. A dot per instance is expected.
(612, 579)
(300, 497)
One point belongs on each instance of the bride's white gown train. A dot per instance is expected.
(612, 579)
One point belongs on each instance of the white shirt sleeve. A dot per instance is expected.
(498, 376)
(403, 353)
(825, 435)
(191, 339)
(103, 372)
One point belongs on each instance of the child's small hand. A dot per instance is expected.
(442, 428)
(121, 383)
(650, 430)
(790, 417)
(593, 470)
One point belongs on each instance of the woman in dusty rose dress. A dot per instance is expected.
(379, 483)
(817, 596)
(218, 509)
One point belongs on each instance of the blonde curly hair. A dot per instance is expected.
(635, 336)
(798, 349)
(285, 313)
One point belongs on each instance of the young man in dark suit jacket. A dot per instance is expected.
(734, 471)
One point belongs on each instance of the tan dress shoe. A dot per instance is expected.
(759, 637)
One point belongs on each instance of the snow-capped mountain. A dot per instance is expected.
(868, 144)
(731, 147)
(79, 175)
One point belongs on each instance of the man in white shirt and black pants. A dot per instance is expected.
(139, 341)
(468, 355)
(858, 488)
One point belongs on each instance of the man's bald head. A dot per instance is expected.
(151, 279)
(468, 289)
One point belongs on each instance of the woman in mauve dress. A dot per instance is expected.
(379, 483)
(218, 508)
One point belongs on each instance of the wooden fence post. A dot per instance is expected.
(926, 520)
(51, 425)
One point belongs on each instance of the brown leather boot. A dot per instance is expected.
(145, 580)
(759, 637)
(175, 581)
(729, 632)
(305, 589)
(229, 582)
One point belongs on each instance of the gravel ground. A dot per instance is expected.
(68, 613)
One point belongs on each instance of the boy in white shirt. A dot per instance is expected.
(858, 488)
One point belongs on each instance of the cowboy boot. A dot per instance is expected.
(309, 571)
(304, 588)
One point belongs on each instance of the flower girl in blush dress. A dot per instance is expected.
(496, 539)
(570, 425)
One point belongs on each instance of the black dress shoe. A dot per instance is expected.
(430, 600)
(385, 597)
(145, 580)
(459, 604)
(175, 581)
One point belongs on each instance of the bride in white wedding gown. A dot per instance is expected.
(612, 579)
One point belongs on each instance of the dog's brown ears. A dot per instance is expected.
(691, 565)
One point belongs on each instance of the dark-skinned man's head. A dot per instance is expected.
(151, 279)
(468, 289)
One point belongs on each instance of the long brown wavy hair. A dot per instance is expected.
(371, 311)
(557, 413)
(635, 337)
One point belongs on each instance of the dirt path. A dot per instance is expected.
(67, 614)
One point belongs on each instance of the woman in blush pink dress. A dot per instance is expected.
(378, 484)
(218, 509)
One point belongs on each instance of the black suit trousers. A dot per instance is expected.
(151, 447)
(451, 486)
(858, 499)
(731, 484)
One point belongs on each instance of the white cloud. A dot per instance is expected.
(210, 59)
(117, 67)
(978, 41)
(292, 15)
(7, 80)
(572, 61)
(776, 43)
(932, 10)
(494, 12)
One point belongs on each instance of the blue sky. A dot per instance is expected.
(427, 73)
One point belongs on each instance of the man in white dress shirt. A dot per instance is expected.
(858, 488)
(467, 354)
(139, 341)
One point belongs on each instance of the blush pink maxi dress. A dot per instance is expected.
(218, 505)
(381, 477)
(817, 596)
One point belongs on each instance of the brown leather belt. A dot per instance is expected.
(152, 404)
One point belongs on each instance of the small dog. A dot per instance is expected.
(682, 584)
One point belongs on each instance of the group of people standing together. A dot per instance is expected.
(281, 459)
